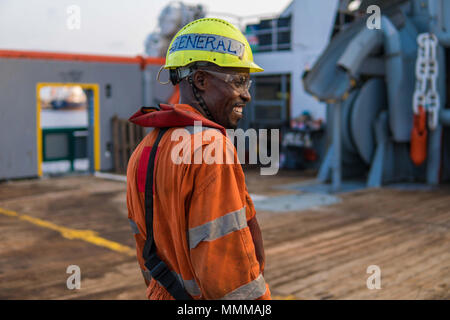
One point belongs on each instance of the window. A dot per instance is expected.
(270, 35)
(270, 100)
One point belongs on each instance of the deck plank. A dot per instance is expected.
(319, 253)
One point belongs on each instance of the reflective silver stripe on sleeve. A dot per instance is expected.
(250, 291)
(146, 275)
(218, 228)
(190, 285)
(134, 226)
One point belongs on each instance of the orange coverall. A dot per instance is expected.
(200, 213)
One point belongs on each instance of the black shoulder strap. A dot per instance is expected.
(158, 269)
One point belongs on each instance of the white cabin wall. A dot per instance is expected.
(312, 23)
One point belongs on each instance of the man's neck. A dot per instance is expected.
(193, 104)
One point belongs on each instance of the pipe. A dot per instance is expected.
(444, 117)
(336, 175)
(400, 50)
(361, 46)
(434, 156)
(437, 12)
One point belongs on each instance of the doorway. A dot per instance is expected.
(68, 132)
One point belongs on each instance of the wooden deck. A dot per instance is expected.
(324, 253)
(320, 253)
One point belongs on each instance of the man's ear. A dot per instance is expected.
(200, 80)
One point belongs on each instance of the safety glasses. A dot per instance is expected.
(240, 83)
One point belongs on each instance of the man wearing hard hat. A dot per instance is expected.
(196, 233)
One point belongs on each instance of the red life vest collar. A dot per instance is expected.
(178, 115)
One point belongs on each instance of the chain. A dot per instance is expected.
(425, 93)
(432, 98)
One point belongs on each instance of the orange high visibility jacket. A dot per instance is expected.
(201, 210)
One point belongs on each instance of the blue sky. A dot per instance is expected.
(107, 26)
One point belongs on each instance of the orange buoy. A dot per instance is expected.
(418, 150)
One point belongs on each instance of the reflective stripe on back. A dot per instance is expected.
(217, 228)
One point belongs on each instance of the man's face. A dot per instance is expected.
(226, 94)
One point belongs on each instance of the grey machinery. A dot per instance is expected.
(367, 78)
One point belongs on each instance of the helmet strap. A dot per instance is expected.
(200, 99)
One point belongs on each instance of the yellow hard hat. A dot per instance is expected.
(212, 40)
